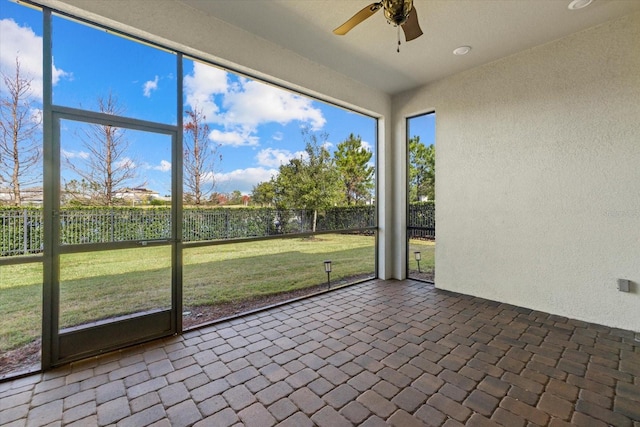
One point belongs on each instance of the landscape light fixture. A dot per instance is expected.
(327, 269)
(418, 258)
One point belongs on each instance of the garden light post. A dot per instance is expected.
(418, 258)
(327, 269)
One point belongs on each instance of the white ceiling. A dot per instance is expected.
(493, 28)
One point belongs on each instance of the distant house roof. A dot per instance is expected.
(28, 195)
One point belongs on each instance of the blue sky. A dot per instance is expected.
(423, 126)
(257, 126)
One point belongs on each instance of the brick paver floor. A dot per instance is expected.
(379, 353)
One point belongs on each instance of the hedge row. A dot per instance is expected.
(21, 230)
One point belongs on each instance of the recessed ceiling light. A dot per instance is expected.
(579, 4)
(462, 50)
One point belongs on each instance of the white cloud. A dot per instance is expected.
(201, 87)
(58, 74)
(243, 179)
(367, 146)
(234, 138)
(164, 166)
(35, 115)
(125, 162)
(272, 157)
(23, 43)
(150, 86)
(242, 106)
(327, 145)
(74, 154)
(254, 103)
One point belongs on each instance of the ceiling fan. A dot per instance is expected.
(400, 13)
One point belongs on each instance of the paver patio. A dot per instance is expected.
(396, 353)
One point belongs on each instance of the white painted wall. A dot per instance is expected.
(538, 175)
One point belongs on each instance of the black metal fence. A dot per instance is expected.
(421, 223)
(21, 230)
(221, 224)
(103, 225)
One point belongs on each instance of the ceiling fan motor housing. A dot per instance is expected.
(397, 11)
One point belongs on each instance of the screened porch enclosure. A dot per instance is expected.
(124, 233)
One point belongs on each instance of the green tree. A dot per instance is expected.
(78, 192)
(235, 197)
(352, 161)
(309, 182)
(422, 170)
(264, 193)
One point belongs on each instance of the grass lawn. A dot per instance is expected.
(20, 304)
(268, 267)
(99, 285)
(427, 250)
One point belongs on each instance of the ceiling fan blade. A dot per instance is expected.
(357, 18)
(411, 28)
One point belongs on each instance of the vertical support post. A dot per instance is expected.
(177, 213)
(25, 232)
(51, 204)
(113, 225)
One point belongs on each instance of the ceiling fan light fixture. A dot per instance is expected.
(462, 50)
(579, 4)
(397, 11)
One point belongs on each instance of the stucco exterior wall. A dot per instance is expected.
(538, 175)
